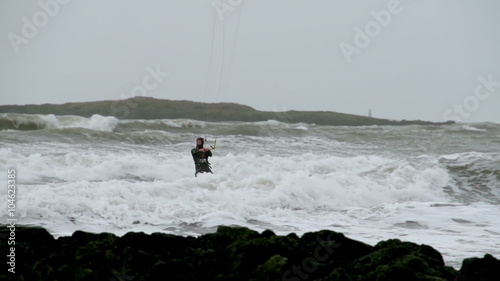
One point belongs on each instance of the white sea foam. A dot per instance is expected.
(51, 121)
(467, 157)
(472, 128)
(172, 123)
(118, 190)
(329, 179)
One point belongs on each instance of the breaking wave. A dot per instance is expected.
(15, 121)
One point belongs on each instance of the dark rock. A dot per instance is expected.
(247, 255)
(271, 269)
(327, 250)
(232, 253)
(30, 244)
(396, 260)
(267, 233)
(225, 236)
(481, 269)
(157, 243)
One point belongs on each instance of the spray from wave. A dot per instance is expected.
(14, 121)
(437, 185)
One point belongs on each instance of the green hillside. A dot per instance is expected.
(151, 108)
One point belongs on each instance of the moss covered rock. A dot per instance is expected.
(231, 253)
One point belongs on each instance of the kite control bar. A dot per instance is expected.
(215, 143)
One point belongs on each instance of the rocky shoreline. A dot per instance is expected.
(231, 253)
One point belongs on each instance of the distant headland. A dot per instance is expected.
(152, 108)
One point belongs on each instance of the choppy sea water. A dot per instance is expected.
(435, 185)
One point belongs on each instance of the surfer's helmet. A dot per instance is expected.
(200, 142)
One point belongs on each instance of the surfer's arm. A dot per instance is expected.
(206, 151)
(195, 154)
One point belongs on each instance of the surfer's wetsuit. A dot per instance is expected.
(200, 157)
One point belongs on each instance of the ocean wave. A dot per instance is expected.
(472, 128)
(367, 181)
(168, 123)
(15, 121)
(306, 181)
(476, 175)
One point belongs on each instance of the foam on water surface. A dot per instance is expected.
(371, 183)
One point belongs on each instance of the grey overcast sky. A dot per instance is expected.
(421, 59)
